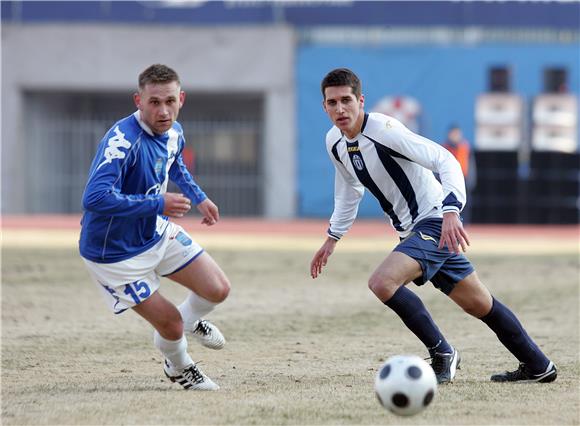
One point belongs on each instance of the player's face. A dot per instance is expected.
(344, 109)
(159, 105)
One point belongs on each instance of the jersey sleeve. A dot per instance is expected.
(348, 192)
(179, 174)
(432, 156)
(103, 194)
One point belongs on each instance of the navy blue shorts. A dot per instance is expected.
(443, 268)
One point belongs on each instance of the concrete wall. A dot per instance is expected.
(109, 58)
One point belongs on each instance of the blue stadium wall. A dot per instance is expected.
(444, 79)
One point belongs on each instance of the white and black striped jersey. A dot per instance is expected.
(396, 166)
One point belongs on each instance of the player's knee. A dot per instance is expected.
(224, 290)
(170, 328)
(476, 307)
(382, 286)
(220, 290)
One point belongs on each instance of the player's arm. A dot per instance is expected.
(434, 157)
(441, 161)
(175, 205)
(179, 174)
(103, 194)
(321, 257)
(347, 195)
(453, 236)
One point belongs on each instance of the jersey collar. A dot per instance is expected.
(137, 115)
(362, 129)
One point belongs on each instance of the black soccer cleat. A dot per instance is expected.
(445, 366)
(524, 375)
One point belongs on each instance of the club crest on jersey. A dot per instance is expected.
(358, 162)
(159, 168)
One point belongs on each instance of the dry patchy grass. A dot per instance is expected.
(299, 351)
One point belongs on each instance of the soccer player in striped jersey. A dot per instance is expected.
(127, 240)
(378, 153)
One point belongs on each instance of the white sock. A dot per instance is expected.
(174, 350)
(193, 308)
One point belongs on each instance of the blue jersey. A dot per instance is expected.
(123, 201)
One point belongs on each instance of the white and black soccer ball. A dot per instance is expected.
(405, 384)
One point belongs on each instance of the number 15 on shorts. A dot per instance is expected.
(138, 290)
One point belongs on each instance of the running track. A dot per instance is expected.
(302, 227)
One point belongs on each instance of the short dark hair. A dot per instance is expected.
(342, 77)
(156, 74)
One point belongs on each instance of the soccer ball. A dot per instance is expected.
(405, 384)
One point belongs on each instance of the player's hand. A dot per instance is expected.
(209, 211)
(453, 236)
(321, 257)
(176, 205)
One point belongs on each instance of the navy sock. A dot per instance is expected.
(412, 311)
(510, 332)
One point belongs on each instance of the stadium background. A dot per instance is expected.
(299, 351)
(253, 116)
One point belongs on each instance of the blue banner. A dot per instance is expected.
(504, 14)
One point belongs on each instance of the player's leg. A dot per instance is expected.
(206, 279)
(209, 286)
(475, 299)
(472, 296)
(169, 338)
(186, 263)
(388, 284)
(132, 284)
(395, 271)
(168, 334)
(422, 245)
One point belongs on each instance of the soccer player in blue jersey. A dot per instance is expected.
(127, 240)
(377, 152)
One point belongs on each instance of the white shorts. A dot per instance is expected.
(129, 282)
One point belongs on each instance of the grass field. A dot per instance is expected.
(300, 351)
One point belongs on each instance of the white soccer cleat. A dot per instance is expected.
(207, 334)
(191, 377)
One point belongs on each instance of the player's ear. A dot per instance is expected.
(362, 100)
(181, 98)
(324, 105)
(137, 100)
